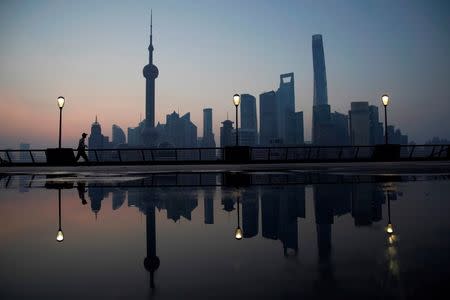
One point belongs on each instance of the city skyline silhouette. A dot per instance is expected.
(94, 57)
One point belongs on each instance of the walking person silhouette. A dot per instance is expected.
(82, 148)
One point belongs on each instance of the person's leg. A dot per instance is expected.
(78, 156)
(85, 156)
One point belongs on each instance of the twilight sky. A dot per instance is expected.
(93, 52)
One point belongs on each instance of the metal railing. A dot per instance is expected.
(217, 155)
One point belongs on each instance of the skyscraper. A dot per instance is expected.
(340, 128)
(320, 76)
(150, 72)
(268, 119)
(360, 131)
(376, 127)
(118, 136)
(248, 130)
(286, 109)
(208, 135)
(97, 140)
(226, 134)
(322, 125)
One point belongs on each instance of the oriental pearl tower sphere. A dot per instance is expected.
(150, 71)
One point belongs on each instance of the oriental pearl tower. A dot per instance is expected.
(149, 135)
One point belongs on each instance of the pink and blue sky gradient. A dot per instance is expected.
(93, 52)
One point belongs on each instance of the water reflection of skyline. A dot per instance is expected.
(279, 207)
(277, 214)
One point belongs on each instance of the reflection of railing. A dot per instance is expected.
(216, 155)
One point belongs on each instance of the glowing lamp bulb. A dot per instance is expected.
(60, 236)
(389, 229)
(238, 234)
(385, 99)
(236, 99)
(61, 101)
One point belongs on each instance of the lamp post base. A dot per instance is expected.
(386, 152)
(60, 156)
(237, 154)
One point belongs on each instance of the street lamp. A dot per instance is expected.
(385, 100)
(237, 101)
(238, 232)
(60, 101)
(59, 235)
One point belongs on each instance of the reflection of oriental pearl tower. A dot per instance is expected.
(150, 72)
(151, 262)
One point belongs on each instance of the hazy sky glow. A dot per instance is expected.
(93, 52)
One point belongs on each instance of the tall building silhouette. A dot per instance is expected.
(286, 109)
(248, 131)
(208, 135)
(360, 131)
(226, 134)
(376, 127)
(340, 127)
(268, 120)
(118, 136)
(322, 125)
(178, 131)
(320, 76)
(96, 139)
(150, 73)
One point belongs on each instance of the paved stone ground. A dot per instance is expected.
(417, 167)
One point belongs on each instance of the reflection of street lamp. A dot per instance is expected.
(61, 101)
(389, 228)
(238, 232)
(59, 235)
(237, 101)
(385, 100)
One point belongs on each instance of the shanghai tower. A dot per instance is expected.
(321, 129)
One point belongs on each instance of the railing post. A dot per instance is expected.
(9, 157)
(412, 151)
(96, 156)
(309, 152)
(432, 152)
(31, 155)
(151, 155)
(199, 153)
(340, 153)
(270, 152)
(441, 150)
(120, 156)
(143, 155)
(356, 153)
(318, 151)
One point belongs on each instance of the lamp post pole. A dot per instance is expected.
(385, 125)
(238, 232)
(60, 125)
(60, 101)
(389, 228)
(385, 100)
(59, 235)
(236, 101)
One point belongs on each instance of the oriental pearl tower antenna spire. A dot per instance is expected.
(150, 73)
